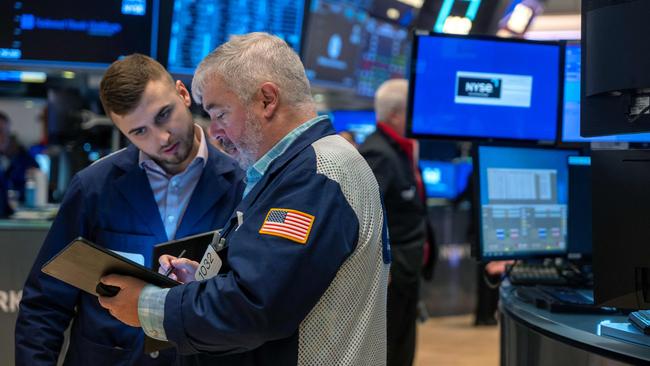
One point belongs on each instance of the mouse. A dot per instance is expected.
(103, 289)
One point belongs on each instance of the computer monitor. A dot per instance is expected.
(384, 56)
(76, 33)
(579, 239)
(571, 109)
(523, 201)
(615, 61)
(621, 254)
(445, 179)
(359, 123)
(334, 43)
(477, 87)
(198, 27)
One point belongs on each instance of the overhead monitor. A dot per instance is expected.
(333, 43)
(445, 179)
(478, 88)
(571, 109)
(76, 33)
(198, 27)
(359, 123)
(523, 201)
(384, 56)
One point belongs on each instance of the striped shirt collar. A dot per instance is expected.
(255, 173)
(145, 160)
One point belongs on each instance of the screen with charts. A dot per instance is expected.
(384, 55)
(76, 33)
(445, 179)
(359, 123)
(523, 201)
(571, 110)
(333, 46)
(199, 26)
(484, 88)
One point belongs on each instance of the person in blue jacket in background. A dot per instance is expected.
(305, 268)
(170, 183)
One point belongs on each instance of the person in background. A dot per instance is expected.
(169, 183)
(15, 160)
(393, 159)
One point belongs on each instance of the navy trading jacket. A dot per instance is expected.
(111, 203)
(305, 273)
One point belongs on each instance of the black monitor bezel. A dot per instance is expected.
(586, 144)
(411, 76)
(477, 250)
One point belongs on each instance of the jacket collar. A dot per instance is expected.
(134, 186)
(312, 134)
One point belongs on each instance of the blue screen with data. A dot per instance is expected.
(360, 123)
(445, 179)
(524, 197)
(477, 88)
(199, 26)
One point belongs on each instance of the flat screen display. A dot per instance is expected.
(524, 197)
(76, 33)
(359, 123)
(384, 55)
(198, 27)
(334, 43)
(484, 88)
(445, 179)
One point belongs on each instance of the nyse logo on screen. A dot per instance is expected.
(493, 89)
(479, 87)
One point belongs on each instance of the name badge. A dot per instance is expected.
(209, 266)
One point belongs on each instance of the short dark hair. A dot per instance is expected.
(4, 117)
(124, 82)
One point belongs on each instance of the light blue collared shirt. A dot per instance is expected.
(151, 304)
(173, 193)
(255, 173)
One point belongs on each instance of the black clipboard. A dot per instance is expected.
(194, 246)
(82, 263)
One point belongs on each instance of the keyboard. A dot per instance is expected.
(535, 274)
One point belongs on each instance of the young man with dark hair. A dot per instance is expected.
(170, 183)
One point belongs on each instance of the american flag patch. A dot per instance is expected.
(289, 224)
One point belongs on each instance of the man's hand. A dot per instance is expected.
(184, 269)
(124, 305)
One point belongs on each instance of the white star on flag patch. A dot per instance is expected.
(289, 224)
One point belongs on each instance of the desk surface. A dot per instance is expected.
(579, 330)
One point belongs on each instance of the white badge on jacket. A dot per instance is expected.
(209, 266)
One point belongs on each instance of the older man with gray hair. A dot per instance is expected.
(305, 264)
(393, 159)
